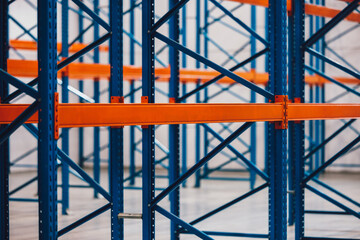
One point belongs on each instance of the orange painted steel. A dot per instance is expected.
(28, 68)
(113, 114)
(31, 45)
(310, 9)
(322, 111)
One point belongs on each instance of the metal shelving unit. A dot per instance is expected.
(285, 110)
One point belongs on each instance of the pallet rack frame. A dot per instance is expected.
(47, 144)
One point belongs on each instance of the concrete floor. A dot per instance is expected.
(251, 215)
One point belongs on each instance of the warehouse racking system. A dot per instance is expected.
(284, 93)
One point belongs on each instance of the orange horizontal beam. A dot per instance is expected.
(90, 115)
(310, 9)
(28, 68)
(31, 45)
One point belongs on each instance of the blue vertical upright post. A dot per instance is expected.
(116, 134)
(47, 58)
(174, 129)
(206, 94)
(253, 100)
(148, 132)
(296, 129)
(267, 87)
(132, 167)
(317, 91)
(96, 99)
(277, 150)
(81, 89)
(4, 147)
(311, 96)
(184, 126)
(65, 99)
(323, 100)
(197, 126)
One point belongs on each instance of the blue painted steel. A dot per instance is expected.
(93, 14)
(27, 183)
(148, 133)
(242, 24)
(132, 166)
(249, 164)
(333, 201)
(116, 163)
(333, 63)
(174, 129)
(253, 100)
(200, 163)
(19, 84)
(4, 147)
(241, 64)
(96, 146)
(332, 23)
(184, 143)
(185, 225)
(23, 28)
(331, 160)
(174, 10)
(332, 136)
(229, 204)
(277, 150)
(197, 144)
(341, 58)
(12, 127)
(64, 63)
(65, 99)
(47, 183)
(84, 220)
(231, 234)
(216, 67)
(65, 158)
(81, 89)
(296, 130)
(332, 80)
(336, 192)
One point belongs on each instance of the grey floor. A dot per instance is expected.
(249, 216)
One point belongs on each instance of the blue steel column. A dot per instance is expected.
(47, 182)
(97, 99)
(296, 129)
(65, 99)
(206, 92)
(184, 126)
(148, 132)
(81, 89)
(132, 167)
(277, 140)
(4, 148)
(253, 100)
(197, 126)
(174, 130)
(116, 134)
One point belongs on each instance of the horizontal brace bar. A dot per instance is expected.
(310, 9)
(129, 216)
(102, 114)
(81, 71)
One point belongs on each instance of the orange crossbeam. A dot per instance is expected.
(310, 9)
(27, 68)
(31, 45)
(91, 115)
